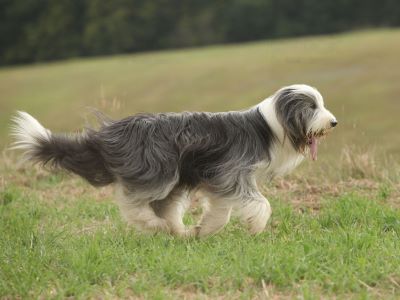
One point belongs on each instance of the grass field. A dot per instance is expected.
(358, 74)
(335, 229)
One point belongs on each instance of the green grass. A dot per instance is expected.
(335, 227)
(77, 246)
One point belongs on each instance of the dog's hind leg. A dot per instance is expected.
(172, 209)
(143, 218)
(215, 217)
(254, 212)
(140, 214)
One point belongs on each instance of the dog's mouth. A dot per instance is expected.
(313, 140)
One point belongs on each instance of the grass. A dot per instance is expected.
(335, 227)
(75, 245)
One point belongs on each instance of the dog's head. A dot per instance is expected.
(303, 117)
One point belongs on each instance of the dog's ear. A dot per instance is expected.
(294, 110)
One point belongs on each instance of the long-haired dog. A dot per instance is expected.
(156, 160)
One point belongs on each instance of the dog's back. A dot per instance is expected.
(151, 150)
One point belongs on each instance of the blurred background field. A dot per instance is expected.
(358, 73)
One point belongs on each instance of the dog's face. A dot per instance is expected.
(301, 112)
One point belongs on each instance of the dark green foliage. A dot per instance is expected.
(37, 30)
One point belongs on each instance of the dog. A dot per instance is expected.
(156, 161)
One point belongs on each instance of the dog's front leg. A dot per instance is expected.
(172, 209)
(254, 212)
(215, 217)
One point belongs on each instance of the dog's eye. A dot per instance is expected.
(314, 106)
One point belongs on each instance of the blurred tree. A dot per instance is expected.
(57, 31)
(245, 20)
(37, 30)
(109, 27)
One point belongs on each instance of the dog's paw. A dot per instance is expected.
(190, 232)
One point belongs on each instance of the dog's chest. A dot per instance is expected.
(283, 161)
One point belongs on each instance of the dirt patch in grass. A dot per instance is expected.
(302, 194)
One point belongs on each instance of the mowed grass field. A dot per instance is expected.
(335, 229)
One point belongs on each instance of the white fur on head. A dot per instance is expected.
(322, 118)
(267, 109)
(297, 113)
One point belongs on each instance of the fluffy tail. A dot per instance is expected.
(79, 154)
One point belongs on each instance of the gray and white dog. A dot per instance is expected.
(157, 160)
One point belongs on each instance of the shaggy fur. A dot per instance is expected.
(155, 160)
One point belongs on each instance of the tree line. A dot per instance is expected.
(42, 30)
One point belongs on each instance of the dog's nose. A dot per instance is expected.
(334, 123)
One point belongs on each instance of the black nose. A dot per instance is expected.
(334, 123)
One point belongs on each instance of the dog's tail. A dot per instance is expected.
(79, 153)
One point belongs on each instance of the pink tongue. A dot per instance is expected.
(314, 148)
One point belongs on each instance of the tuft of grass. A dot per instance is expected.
(359, 164)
